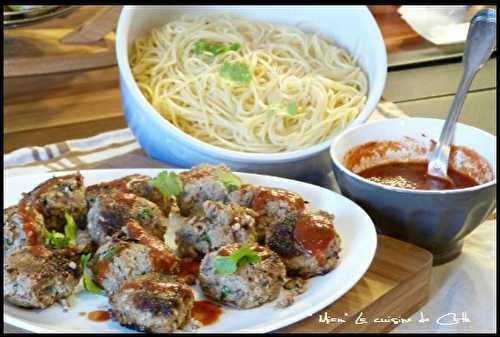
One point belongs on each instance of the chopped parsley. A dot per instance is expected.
(225, 265)
(292, 108)
(203, 47)
(89, 284)
(168, 183)
(146, 214)
(225, 291)
(230, 180)
(237, 72)
(204, 237)
(70, 229)
(59, 240)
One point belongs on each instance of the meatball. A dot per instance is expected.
(307, 243)
(22, 226)
(136, 184)
(202, 183)
(251, 285)
(271, 204)
(117, 261)
(36, 277)
(59, 195)
(152, 303)
(217, 225)
(110, 212)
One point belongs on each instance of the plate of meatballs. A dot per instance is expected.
(205, 249)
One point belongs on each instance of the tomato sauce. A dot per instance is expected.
(413, 175)
(27, 213)
(206, 312)
(101, 269)
(314, 233)
(99, 316)
(266, 195)
(163, 260)
(187, 267)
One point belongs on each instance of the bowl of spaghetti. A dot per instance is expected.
(262, 89)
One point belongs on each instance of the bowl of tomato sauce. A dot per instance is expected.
(382, 166)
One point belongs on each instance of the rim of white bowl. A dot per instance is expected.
(124, 70)
(341, 166)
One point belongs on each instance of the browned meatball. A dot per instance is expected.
(215, 226)
(129, 254)
(200, 184)
(36, 277)
(307, 243)
(22, 226)
(60, 195)
(110, 212)
(251, 285)
(136, 184)
(271, 205)
(153, 303)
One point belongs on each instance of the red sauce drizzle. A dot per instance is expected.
(99, 316)
(314, 233)
(101, 269)
(126, 198)
(39, 251)
(163, 260)
(206, 312)
(266, 195)
(27, 213)
(187, 267)
(413, 175)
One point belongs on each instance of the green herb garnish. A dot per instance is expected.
(146, 214)
(230, 180)
(292, 108)
(203, 47)
(109, 254)
(225, 291)
(204, 237)
(225, 265)
(89, 284)
(168, 183)
(237, 72)
(59, 240)
(55, 239)
(70, 229)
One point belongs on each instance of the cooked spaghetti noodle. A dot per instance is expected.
(247, 85)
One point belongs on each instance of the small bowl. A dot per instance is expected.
(435, 220)
(352, 27)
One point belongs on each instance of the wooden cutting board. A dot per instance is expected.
(396, 285)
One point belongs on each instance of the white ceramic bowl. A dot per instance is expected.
(352, 27)
(435, 220)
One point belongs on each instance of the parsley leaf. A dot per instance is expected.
(89, 284)
(146, 214)
(292, 108)
(204, 237)
(230, 180)
(55, 239)
(168, 183)
(237, 72)
(70, 229)
(203, 47)
(225, 265)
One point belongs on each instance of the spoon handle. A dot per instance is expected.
(481, 40)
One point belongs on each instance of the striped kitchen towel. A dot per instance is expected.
(89, 152)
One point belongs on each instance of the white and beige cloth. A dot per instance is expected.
(465, 286)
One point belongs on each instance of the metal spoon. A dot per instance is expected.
(481, 40)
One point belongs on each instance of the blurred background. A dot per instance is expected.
(61, 79)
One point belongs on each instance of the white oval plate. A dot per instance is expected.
(359, 241)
